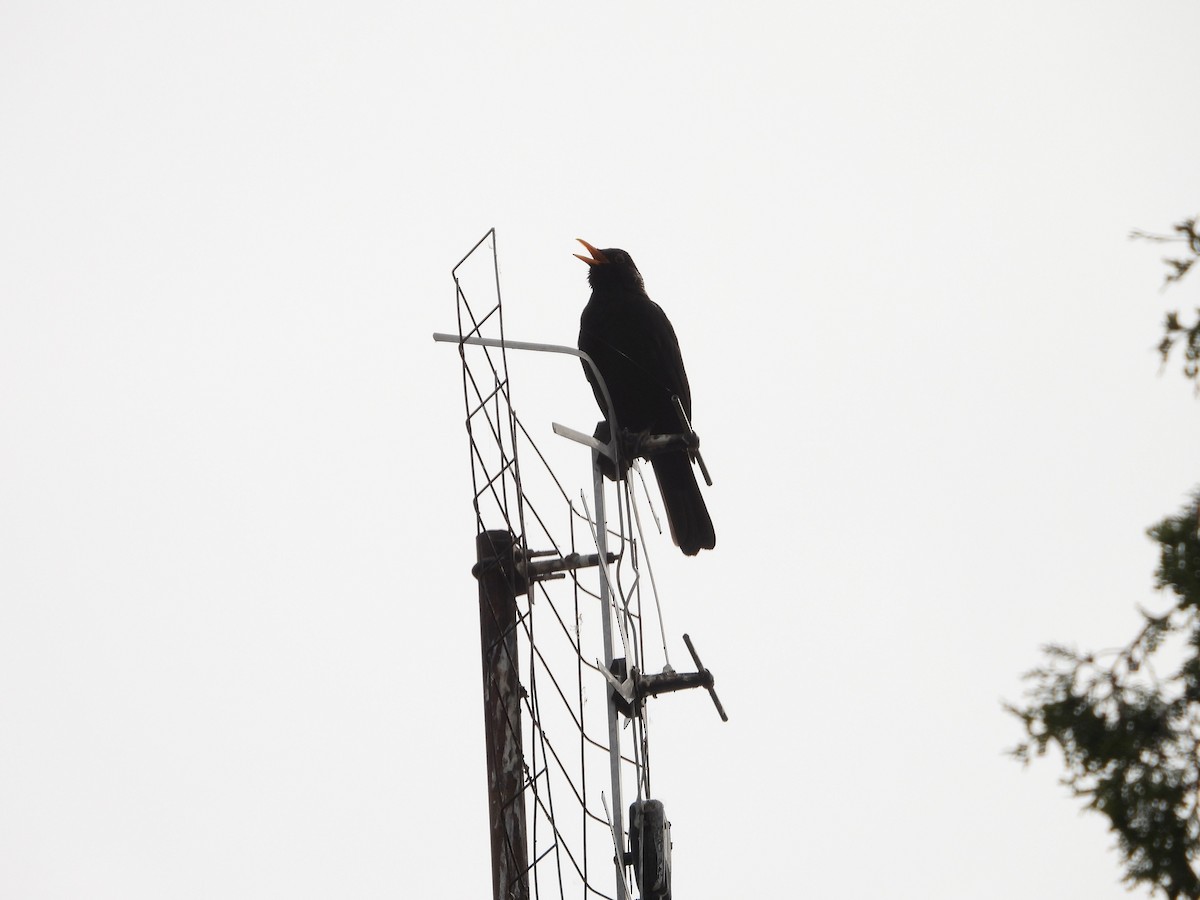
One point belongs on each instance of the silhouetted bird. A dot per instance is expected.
(634, 346)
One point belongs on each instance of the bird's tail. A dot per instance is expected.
(691, 527)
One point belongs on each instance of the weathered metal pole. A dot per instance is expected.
(499, 584)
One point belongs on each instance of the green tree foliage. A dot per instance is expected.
(1130, 737)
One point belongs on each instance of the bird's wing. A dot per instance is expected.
(663, 348)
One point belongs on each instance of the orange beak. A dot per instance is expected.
(596, 258)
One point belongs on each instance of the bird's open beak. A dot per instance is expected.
(596, 258)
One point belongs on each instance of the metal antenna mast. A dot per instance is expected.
(518, 661)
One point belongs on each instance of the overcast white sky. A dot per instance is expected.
(238, 636)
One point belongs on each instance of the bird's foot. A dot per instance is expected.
(636, 444)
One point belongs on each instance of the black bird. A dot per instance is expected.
(632, 343)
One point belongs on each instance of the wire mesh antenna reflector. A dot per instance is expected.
(495, 472)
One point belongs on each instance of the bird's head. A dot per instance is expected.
(610, 268)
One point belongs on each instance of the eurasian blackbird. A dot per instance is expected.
(632, 343)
